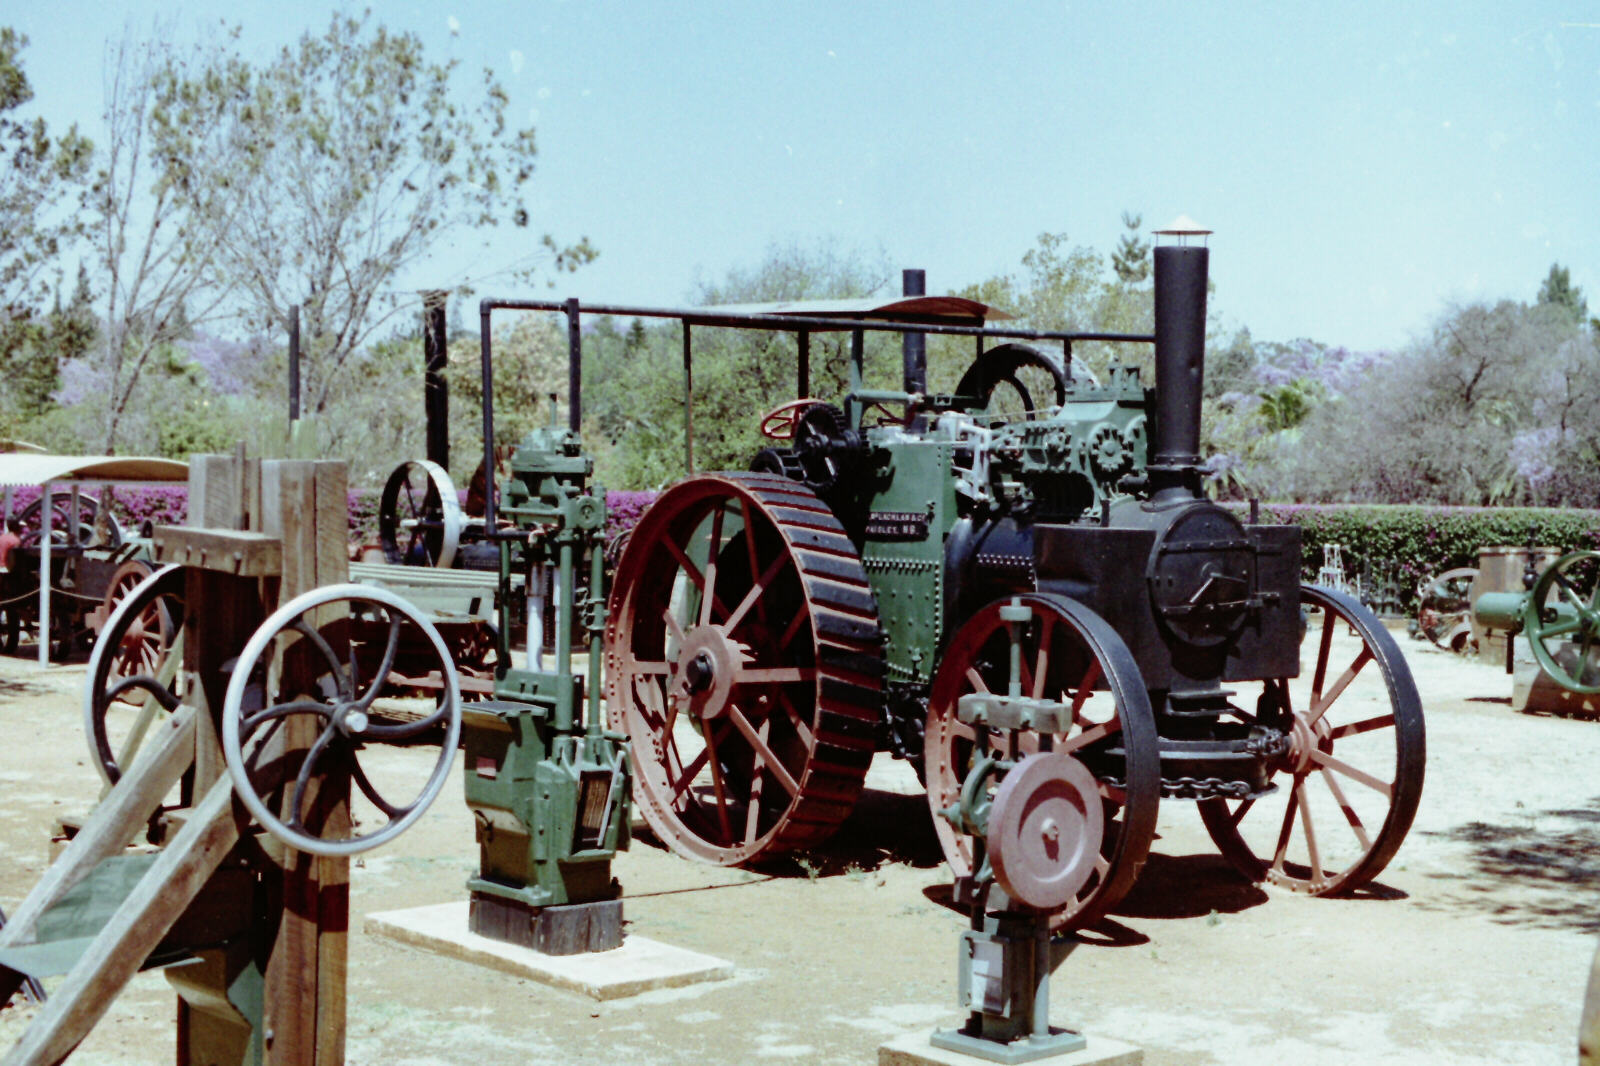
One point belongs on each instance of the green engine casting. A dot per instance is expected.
(547, 784)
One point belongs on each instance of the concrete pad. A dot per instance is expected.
(914, 1050)
(639, 965)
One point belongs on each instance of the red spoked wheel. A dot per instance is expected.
(1350, 782)
(133, 670)
(744, 662)
(150, 633)
(1069, 655)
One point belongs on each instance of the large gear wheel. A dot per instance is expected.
(744, 661)
(825, 446)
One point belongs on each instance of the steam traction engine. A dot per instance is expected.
(1027, 564)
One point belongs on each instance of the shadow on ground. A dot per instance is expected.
(1188, 886)
(885, 828)
(1544, 874)
(11, 687)
(1181, 886)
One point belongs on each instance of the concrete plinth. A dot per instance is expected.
(1534, 690)
(639, 965)
(914, 1050)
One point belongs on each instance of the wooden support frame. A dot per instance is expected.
(261, 534)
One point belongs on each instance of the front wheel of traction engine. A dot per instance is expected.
(1069, 657)
(1349, 785)
(744, 663)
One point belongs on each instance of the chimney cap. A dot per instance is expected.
(1183, 226)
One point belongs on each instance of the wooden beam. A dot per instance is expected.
(123, 813)
(228, 551)
(161, 896)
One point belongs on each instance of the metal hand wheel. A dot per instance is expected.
(260, 700)
(779, 423)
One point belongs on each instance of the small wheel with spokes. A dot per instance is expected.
(29, 519)
(289, 669)
(1008, 383)
(1349, 784)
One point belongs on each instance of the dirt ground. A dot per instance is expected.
(1473, 947)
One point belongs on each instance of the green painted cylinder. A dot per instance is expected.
(1499, 610)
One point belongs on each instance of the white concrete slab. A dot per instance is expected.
(639, 965)
(914, 1050)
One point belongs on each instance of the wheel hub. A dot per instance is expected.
(708, 664)
(1305, 740)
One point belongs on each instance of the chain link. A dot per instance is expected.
(1192, 787)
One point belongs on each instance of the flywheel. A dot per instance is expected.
(744, 661)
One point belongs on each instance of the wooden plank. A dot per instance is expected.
(176, 877)
(331, 875)
(305, 975)
(226, 550)
(252, 495)
(288, 500)
(333, 523)
(223, 611)
(213, 492)
(120, 817)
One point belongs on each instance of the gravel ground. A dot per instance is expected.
(1473, 947)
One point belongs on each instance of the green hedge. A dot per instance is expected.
(1396, 546)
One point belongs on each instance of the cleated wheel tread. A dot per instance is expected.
(763, 746)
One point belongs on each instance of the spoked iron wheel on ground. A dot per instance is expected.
(743, 661)
(1069, 656)
(1444, 605)
(1350, 782)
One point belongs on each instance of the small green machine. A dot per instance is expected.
(548, 785)
(1037, 823)
(1559, 616)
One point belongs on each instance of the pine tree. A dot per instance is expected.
(1558, 291)
(1131, 260)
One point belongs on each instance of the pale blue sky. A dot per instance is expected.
(1362, 164)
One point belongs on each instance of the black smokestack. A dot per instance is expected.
(914, 346)
(1180, 366)
(435, 393)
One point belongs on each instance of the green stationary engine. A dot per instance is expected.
(547, 784)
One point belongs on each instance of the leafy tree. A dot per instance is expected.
(1066, 288)
(37, 172)
(32, 350)
(163, 194)
(1493, 407)
(633, 408)
(360, 160)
